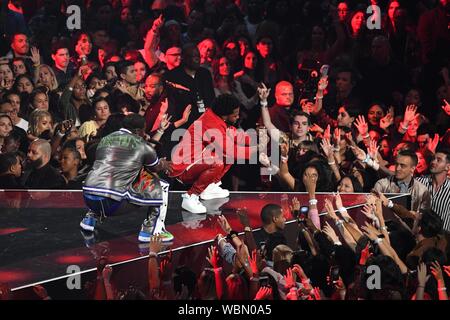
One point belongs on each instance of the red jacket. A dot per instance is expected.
(210, 136)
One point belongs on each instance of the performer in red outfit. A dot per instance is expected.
(208, 149)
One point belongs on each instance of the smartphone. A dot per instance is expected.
(324, 70)
(334, 274)
(303, 213)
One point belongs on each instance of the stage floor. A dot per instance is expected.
(40, 235)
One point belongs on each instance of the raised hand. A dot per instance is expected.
(299, 272)
(365, 254)
(327, 148)
(187, 112)
(381, 196)
(372, 150)
(370, 231)
(295, 205)
(165, 122)
(447, 270)
(254, 260)
(213, 257)
(337, 137)
(329, 231)
(358, 152)
(323, 83)
(432, 143)
(35, 56)
(284, 149)
(330, 209)
(158, 22)
(410, 114)
(437, 271)
(223, 222)
(289, 279)
(307, 106)
(386, 121)
(264, 293)
(362, 126)
(316, 128)
(243, 216)
(368, 211)
(310, 182)
(446, 107)
(338, 200)
(155, 244)
(422, 276)
(263, 93)
(327, 133)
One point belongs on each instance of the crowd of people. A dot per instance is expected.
(351, 107)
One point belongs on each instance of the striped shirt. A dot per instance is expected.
(440, 200)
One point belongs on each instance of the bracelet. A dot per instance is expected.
(231, 234)
(384, 228)
(152, 255)
(284, 159)
(331, 163)
(442, 289)
(160, 131)
(339, 223)
(404, 127)
(60, 134)
(312, 202)
(378, 240)
(263, 104)
(390, 204)
(338, 243)
(342, 210)
(248, 229)
(366, 136)
(367, 159)
(221, 239)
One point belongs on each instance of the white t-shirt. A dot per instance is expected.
(23, 124)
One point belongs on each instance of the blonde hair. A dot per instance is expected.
(35, 118)
(37, 80)
(282, 253)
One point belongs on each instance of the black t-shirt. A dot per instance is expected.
(46, 177)
(199, 87)
(269, 241)
(9, 181)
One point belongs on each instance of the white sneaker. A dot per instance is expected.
(214, 191)
(192, 204)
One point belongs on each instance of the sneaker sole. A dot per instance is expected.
(212, 196)
(192, 211)
(86, 227)
(147, 239)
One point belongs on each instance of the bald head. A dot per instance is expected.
(39, 153)
(284, 94)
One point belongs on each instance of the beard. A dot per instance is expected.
(34, 164)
